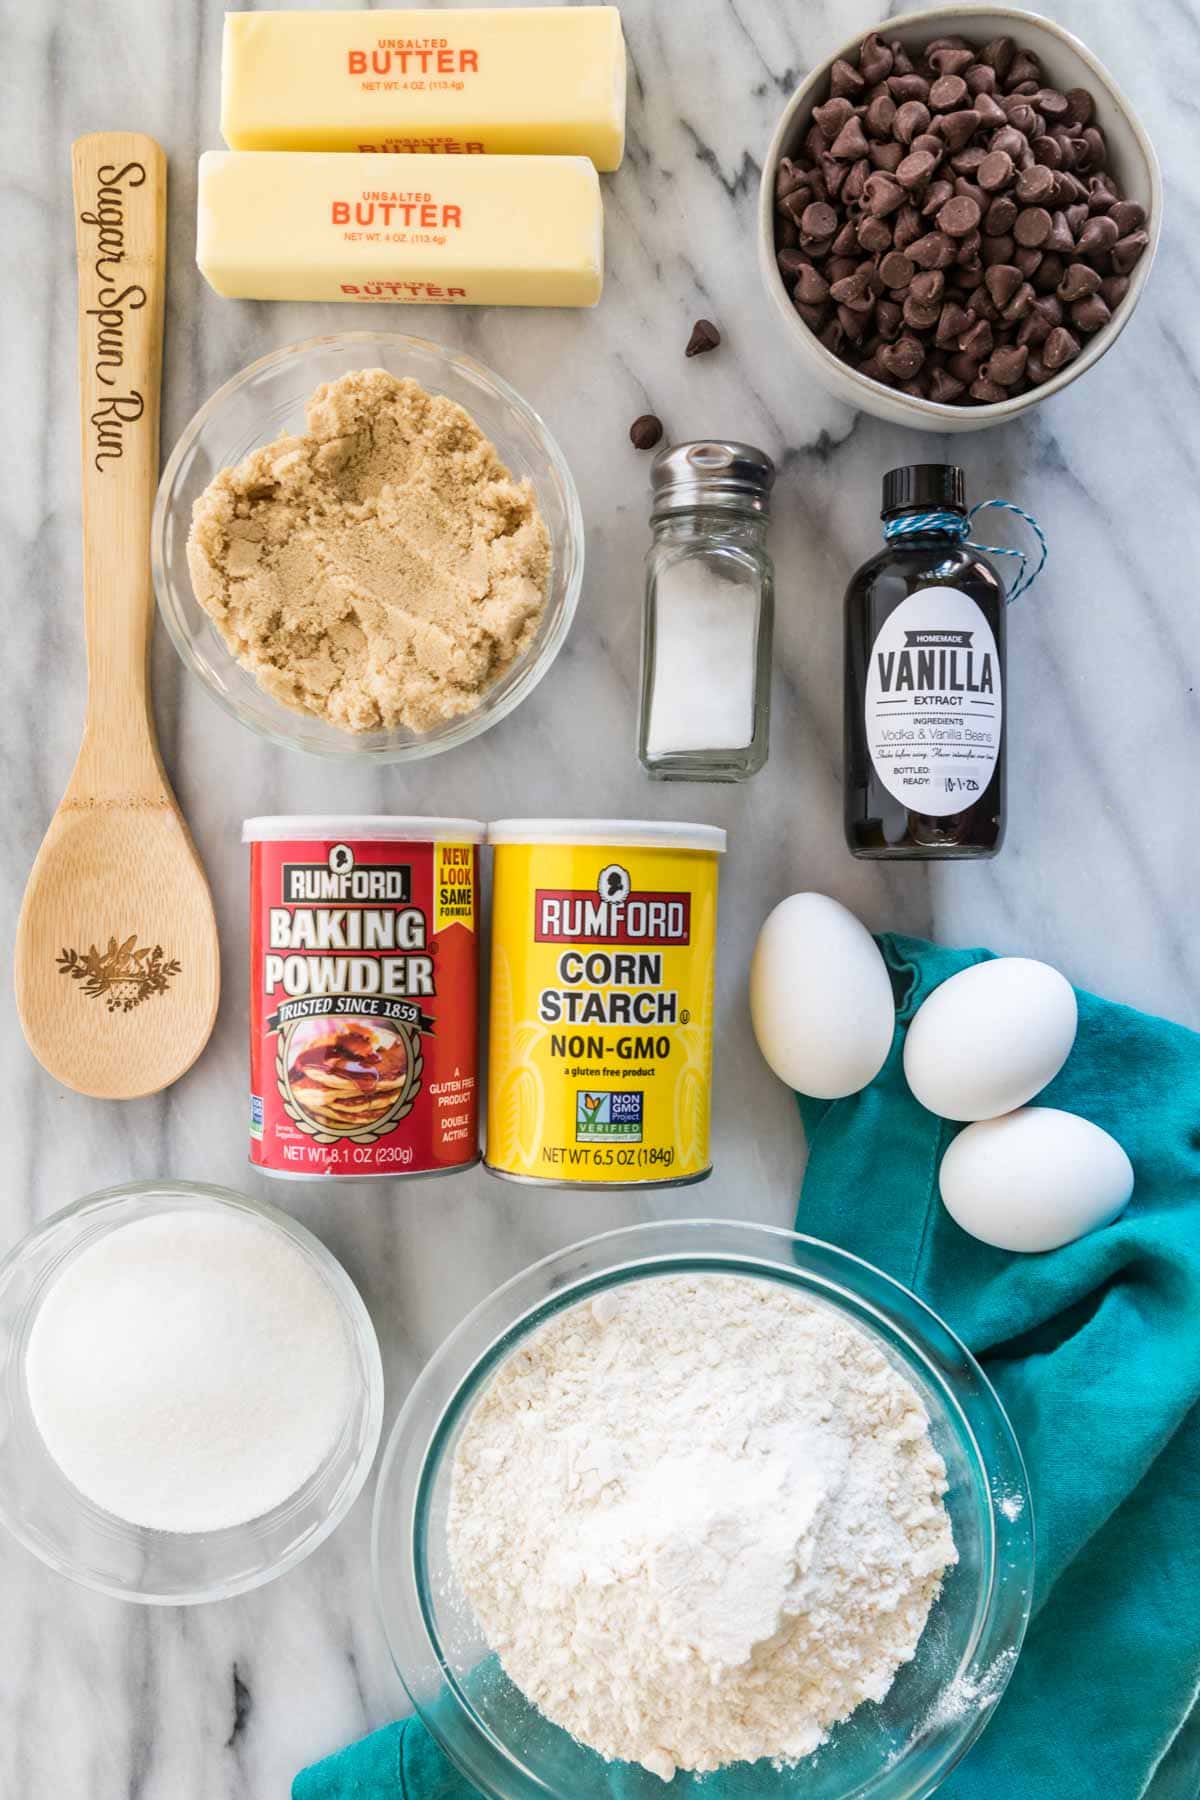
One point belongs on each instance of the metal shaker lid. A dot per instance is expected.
(712, 472)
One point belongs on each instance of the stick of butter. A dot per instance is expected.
(530, 80)
(467, 231)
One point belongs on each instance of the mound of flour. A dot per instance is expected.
(700, 1520)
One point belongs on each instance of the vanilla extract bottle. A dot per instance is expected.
(924, 681)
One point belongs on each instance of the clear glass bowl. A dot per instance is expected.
(939, 1702)
(269, 398)
(160, 1568)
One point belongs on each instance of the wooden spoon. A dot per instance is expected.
(117, 962)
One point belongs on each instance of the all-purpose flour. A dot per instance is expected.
(700, 1520)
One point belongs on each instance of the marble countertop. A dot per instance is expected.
(100, 1700)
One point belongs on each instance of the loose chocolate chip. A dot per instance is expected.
(788, 178)
(896, 271)
(887, 157)
(1035, 185)
(1061, 238)
(1113, 289)
(995, 171)
(987, 392)
(980, 79)
(1053, 104)
(1027, 259)
(908, 86)
(1127, 252)
(705, 335)
(951, 59)
(989, 112)
(818, 220)
(1023, 67)
(1049, 273)
(1002, 282)
(814, 316)
(1033, 226)
(1020, 304)
(999, 249)
(1060, 348)
(645, 432)
(909, 227)
(916, 169)
(920, 316)
(851, 290)
(1047, 151)
(1128, 216)
(888, 317)
(959, 216)
(791, 262)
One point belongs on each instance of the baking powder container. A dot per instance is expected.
(603, 957)
(364, 995)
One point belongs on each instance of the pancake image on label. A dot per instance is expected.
(346, 1074)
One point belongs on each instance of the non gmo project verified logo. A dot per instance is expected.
(601, 1117)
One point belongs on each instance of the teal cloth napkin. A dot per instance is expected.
(1095, 1352)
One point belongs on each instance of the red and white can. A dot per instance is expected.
(364, 995)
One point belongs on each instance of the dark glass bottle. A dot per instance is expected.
(925, 681)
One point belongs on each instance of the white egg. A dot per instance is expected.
(990, 1038)
(1034, 1180)
(820, 998)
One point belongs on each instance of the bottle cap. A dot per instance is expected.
(735, 477)
(924, 487)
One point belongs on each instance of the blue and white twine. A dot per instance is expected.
(956, 525)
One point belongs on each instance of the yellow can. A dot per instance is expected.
(603, 957)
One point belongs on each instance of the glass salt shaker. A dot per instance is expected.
(706, 644)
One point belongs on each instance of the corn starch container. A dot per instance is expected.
(364, 994)
(603, 957)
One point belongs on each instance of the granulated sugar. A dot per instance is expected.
(700, 1521)
(189, 1371)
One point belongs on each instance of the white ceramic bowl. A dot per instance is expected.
(1067, 64)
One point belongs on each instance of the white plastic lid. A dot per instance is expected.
(336, 827)
(613, 834)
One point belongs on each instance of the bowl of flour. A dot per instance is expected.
(703, 1496)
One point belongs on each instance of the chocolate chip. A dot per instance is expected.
(978, 341)
(1033, 226)
(873, 234)
(958, 128)
(987, 392)
(943, 388)
(903, 358)
(830, 118)
(1053, 104)
(887, 157)
(882, 195)
(988, 111)
(881, 115)
(1027, 259)
(1002, 282)
(928, 286)
(645, 432)
(980, 79)
(912, 118)
(958, 216)
(818, 220)
(948, 93)
(705, 335)
(936, 196)
(1060, 348)
(999, 217)
(1127, 216)
(1035, 185)
(1090, 314)
(875, 59)
(888, 317)
(996, 171)
(1128, 251)
(844, 79)
(896, 271)
(999, 55)
(1080, 106)
(1113, 290)
(811, 286)
(850, 142)
(1006, 366)
(1061, 238)
(916, 169)
(1078, 282)
(933, 251)
(1097, 237)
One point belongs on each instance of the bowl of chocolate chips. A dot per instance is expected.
(958, 215)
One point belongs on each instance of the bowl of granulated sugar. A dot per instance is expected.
(695, 1497)
(190, 1396)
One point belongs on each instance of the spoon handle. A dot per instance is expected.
(120, 185)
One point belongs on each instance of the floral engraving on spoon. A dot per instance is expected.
(122, 976)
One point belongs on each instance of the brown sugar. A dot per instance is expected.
(380, 571)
